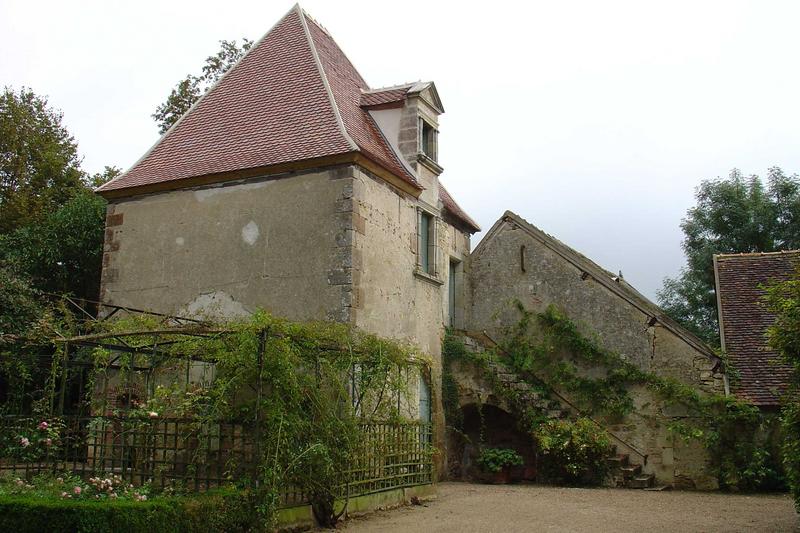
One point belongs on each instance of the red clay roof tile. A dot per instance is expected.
(272, 107)
(744, 321)
(385, 96)
(454, 209)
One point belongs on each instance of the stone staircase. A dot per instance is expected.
(624, 474)
(526, 396)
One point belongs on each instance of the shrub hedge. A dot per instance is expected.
(218, 511)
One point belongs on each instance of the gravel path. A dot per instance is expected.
(463, 508)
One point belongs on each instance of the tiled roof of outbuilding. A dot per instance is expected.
(454, 209)
(744, 321)
(294, 96)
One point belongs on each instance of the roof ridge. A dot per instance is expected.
(305, 15)
(756, 254)
(624, 290)
(197, 102)
(324, 75)
(407, 85)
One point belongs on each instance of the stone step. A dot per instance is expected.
(555, 413)
(630, 471)
(619, 460)
(530, 397)
(642, 482)
(660, 488)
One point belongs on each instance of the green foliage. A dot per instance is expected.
(217, 511)
(316, 384)
(494, 460)
(739, 214)
(783, 299)
(62, 252)
(25, 327)
(452, 350)
(39, 163)
(573, 452)
(19, 303)
(192, 87)
(791, 447)
(547, 349)
(544, 344)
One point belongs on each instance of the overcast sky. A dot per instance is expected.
(593, 120)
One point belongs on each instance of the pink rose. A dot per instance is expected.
(24, 442)
(152, 414)
(76, 489)
(43, 425)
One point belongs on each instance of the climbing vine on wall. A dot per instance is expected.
(306, 387)
(548, 350)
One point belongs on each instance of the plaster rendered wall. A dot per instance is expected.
(226, 250)
(497, 279)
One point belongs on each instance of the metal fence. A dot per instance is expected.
(196, 456)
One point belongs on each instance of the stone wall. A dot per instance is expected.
(393, 299)
(516, 261)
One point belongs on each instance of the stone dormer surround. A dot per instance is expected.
(397, 111)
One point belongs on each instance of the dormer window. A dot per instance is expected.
(427, 139)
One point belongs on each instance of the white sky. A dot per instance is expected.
(593, 120)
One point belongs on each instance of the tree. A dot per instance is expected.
(39, 163)
(63, 253)
(192, 87)
(783, 299)
(731, 216)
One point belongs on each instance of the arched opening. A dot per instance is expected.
(487, 426)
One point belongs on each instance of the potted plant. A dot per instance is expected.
(498, 463)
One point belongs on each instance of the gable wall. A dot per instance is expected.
(280, 244)
(496, 280)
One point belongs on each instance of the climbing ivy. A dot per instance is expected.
(546, 349)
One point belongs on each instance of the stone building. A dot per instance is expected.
(516, 261)
(293, 186)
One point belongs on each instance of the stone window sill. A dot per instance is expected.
(420, 274)
(432, 165)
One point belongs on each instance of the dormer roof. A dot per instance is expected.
(387, 97)
(293, 98)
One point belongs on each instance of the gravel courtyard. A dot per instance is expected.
(462, 507)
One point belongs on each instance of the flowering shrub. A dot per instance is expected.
(35, 442)
(573, 452)
(68, 487)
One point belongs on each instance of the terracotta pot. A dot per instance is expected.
(502, 477)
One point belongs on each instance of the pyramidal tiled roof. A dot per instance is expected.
(744, 319)
(293, 97)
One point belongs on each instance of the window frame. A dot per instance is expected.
(429, 149)
(429, 242)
